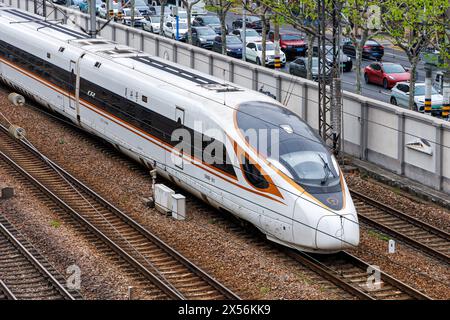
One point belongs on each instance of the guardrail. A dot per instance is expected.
(402, 141)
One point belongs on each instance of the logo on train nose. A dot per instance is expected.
(333, 201)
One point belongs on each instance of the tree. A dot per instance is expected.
(188, 4)
(302, 15)
(413, 25)
(221, 8)
(262, 11)
(163, 4)
(361, 16)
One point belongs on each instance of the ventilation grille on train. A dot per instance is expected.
(219, 87)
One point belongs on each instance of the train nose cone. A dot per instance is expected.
(337, 232)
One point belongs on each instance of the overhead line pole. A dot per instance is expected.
(330, 89)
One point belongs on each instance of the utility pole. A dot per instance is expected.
(244, 30)
(330, 98)
(93, 24)
(276, 40)
(446, 76)
(43, 4)
(133, 7)
(428, 87)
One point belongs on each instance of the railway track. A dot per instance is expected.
(342, 274)
(24, 275)
(5, 292)
(352, 274)
(171, 273)
(401, 226)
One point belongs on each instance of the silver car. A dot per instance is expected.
(152, 24)
(400, 97)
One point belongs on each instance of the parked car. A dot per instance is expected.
(182, 15)
(400, 97)
(298, 67)
(385, 74)
(170, 30)
(152, 24)
(211, 21)
(139, 5)
(84, 5)
(253, 53)
(203, 37)
(371, 50)
(252, 22)
(292, 44)
(346, 61)
(250, 35)
(439, 81)
(103, 12)
(199, 9)
(138, 18)
(234, 46)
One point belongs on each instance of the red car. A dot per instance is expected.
(386, 74)
(292, 44)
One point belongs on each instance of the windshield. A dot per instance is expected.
(155, 19)
(139, 3)
(233, 40)
(420, 91)
(251, 33)
(269, 47)
(211, 20)
(291, 37)
(206, 31)
(295, 150)
(393, 68)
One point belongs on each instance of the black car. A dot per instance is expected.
(253, 22)
(371, 50)
(234, 46)
(210, 21)
(346, 61)
(203, 37)
(298, 67)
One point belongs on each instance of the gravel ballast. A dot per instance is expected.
(250, 270)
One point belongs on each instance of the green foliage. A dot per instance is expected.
(55, 224)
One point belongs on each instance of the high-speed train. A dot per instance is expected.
(176, 120)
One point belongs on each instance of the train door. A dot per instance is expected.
(179, 118)
(72, 85)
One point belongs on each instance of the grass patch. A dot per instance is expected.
(55, 224)
(264, 290)
(61, 141)
(378, 235)
(363, 175)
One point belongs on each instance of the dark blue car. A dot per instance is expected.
(234, 46)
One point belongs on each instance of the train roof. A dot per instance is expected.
(37, 23)
(198, 85)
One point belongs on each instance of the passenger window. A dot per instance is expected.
(253, 175)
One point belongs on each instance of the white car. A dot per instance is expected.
(103, 12)
(138, 18)
(152, 24)
(400, 97)
(253, 53)
(182, 16)
(170, 29)
(199, 9)
(250, 35)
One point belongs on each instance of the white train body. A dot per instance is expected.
(135, 101)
